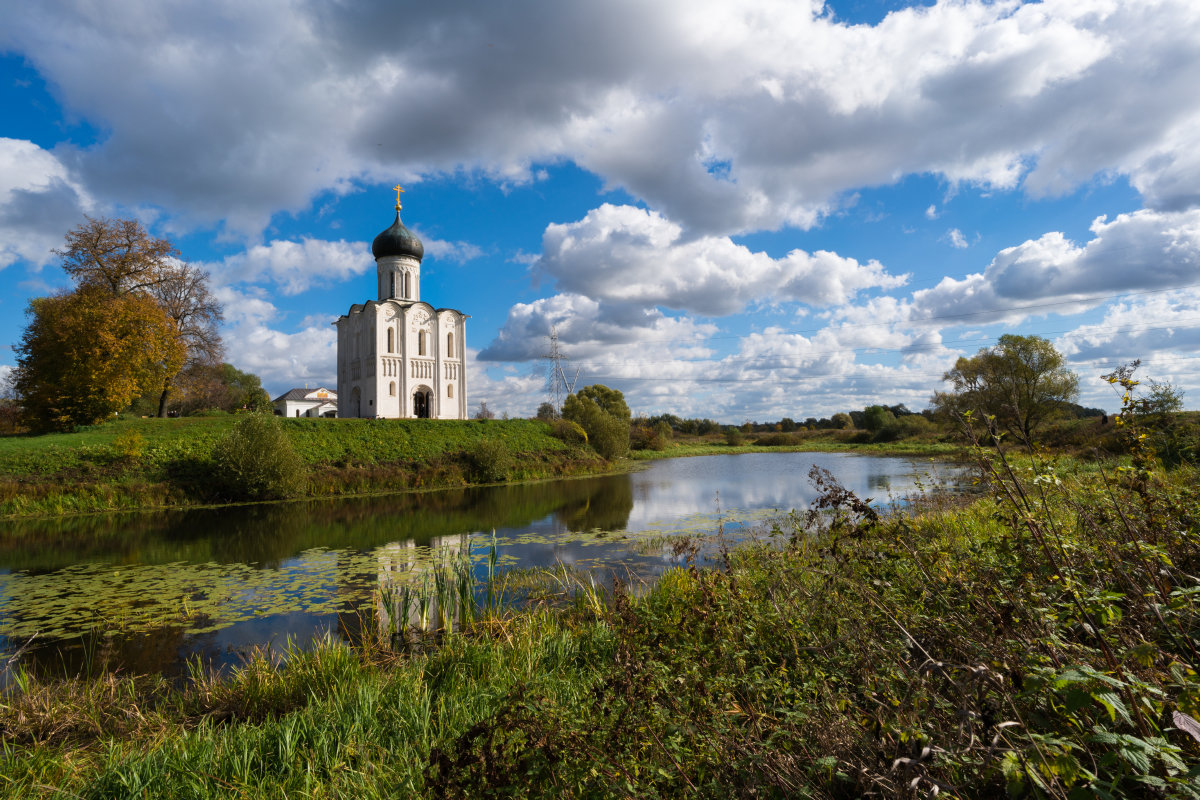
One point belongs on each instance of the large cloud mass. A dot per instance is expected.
(39, 199)
(725, 117)
(721, 118)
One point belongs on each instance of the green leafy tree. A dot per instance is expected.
(1022, 382)
(876, 418)
(603, 415)
(842, 421)
(219, 387)
(243, 391)
(1162, 398)
(88, 354)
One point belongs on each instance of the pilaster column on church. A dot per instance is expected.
(462, 367)
(401, 323)
(438, 370)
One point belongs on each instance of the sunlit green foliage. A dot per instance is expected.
(568, 431)
(342, 456)
(489, 461)
(1037, 643)
(603, 414)
(1021, 383)
(876, 418)
(257, 461)
(842, 421)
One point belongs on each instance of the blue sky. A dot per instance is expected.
(736, 210)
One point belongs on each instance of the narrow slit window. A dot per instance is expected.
(421, 343)
(449, 345)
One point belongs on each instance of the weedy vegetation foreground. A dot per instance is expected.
(1039, 640)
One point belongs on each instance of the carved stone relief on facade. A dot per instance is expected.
(419, 318)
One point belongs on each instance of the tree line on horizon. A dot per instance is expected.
(1014, 388)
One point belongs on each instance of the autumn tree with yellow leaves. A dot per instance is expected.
(137, 316)
(87, 354)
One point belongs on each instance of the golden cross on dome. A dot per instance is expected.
(398, 193)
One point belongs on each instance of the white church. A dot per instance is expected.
(398, 356)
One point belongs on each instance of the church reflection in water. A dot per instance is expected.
(223, 581)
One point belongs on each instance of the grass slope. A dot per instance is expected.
(147, 463)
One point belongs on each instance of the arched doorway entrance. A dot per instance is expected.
(422, 403)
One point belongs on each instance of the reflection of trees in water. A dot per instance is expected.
(603, 503)
(879, 483)
(268, 534)
(159, 650)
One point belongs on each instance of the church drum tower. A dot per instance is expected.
(398, 356)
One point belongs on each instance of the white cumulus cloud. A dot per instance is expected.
(295, 266)
(40, 199)
(1144, 250)
(633, 256)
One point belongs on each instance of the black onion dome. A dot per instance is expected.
(397, 241)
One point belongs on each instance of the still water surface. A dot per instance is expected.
(147, 592)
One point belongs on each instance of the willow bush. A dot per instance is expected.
(256, 461)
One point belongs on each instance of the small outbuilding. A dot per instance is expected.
(318, 402)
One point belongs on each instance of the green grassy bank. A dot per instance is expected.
(822, 442)
(152, 463)
(1042, 640)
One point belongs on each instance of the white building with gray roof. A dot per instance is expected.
(398, 356)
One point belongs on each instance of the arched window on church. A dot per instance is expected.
(450, 390)
(407, 289)
(391, 341)
(392, 388)
(392, 292)
(421, 343)
(450, 345)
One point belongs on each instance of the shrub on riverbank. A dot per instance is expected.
(257, 461)
(489, 462)
(603, 414)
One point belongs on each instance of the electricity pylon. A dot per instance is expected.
(557, 384)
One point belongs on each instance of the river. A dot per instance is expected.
(146, 592)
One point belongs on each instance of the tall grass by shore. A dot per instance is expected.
(1041, 641)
